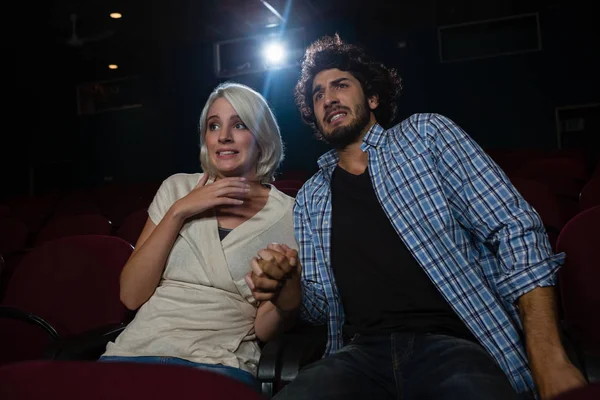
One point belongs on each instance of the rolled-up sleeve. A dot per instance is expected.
(487, 204)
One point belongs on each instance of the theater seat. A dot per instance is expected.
(132, 226)
(579, 283)
(539, 196)
(69, 380)
(62, 288)
(73, 225)
(590, 194)
(13, 235)
(589, 392)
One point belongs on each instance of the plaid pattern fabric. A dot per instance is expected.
(477, 239)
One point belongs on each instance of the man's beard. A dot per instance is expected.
(343, 136)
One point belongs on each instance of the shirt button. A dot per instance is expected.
(327, 260)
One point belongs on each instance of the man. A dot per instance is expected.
(425, 263)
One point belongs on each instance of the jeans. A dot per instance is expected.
(403, 366)
(235, 373)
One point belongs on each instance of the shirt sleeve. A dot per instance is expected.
(314, 308)
(488, 205)
(163, 200)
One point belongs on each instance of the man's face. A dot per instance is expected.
(341, 110)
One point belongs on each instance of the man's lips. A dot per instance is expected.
(335, 115)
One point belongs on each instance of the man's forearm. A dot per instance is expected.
(539, 315)
(552, 371)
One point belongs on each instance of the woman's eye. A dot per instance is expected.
(240, 125)
(212, 127)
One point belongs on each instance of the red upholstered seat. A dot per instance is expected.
(69, 380)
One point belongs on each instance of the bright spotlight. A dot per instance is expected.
(113, 66)
(274, 53)
(116, 15)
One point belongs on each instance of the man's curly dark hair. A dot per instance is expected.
(375, 78)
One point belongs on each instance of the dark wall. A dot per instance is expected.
(502, 102)
(507, 101)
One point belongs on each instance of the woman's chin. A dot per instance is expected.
(232, 172)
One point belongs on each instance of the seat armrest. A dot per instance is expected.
(30, 318)
(301, 348)
(282, 358)
(591, 365)
(585, 357)
(269, 366)
(85, 346)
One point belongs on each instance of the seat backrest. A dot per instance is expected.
(288, 184)
(72, 225)
(13, 235)
(34, 211)
(588, 392)
(564, 176)
(111, 380)
(544, 201)
(1, 267)
(590, 194)
(132, 226)
(76, 203)
(117, 201)
(556, 166)
(579, 277)
(295, 175)
(72, 283)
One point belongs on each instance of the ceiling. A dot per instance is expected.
(152, 26)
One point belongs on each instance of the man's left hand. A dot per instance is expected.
(558, 378)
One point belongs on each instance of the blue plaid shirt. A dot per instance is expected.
(477, 239)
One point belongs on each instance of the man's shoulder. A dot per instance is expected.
(417, 122)
(426, 128)
(314, 187)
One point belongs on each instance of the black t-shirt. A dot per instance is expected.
(383, 288)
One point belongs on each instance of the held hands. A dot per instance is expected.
(226, 191)
(275, 277)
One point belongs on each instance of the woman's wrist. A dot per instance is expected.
(176, 214)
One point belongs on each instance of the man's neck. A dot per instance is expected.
(352, 158)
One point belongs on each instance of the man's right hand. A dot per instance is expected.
(225, 191)
(275, 277)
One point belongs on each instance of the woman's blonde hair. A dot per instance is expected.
(253, 110)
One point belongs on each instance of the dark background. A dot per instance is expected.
(503, 102)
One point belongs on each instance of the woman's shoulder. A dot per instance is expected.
(181, 182)
(285, 200)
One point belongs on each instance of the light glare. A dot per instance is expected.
(274, 53)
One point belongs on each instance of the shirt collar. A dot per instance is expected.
(373, 138)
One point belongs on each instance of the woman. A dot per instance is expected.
(187, 273)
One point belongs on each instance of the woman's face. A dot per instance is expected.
(232, 148)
